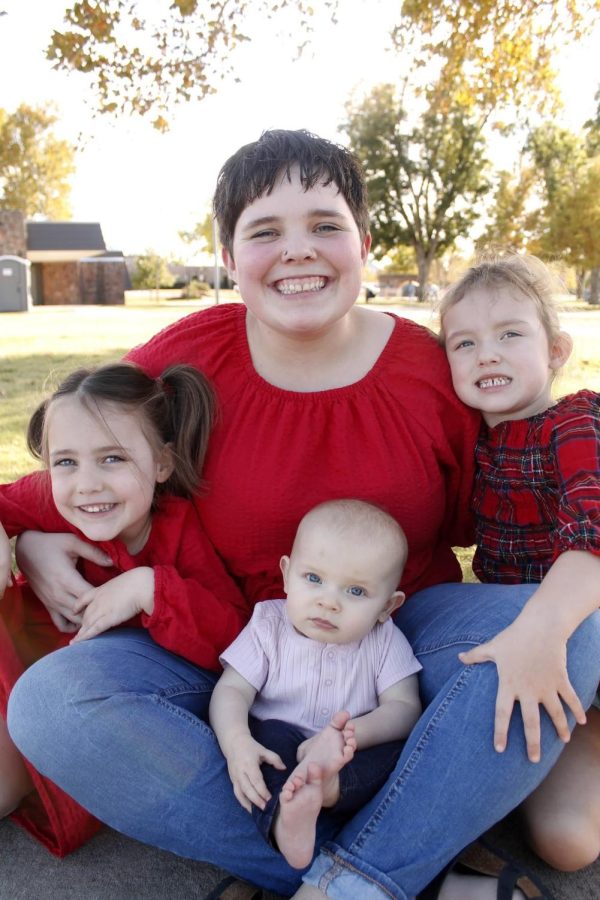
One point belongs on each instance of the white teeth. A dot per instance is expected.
(493, 382)
(97, 508)
(300, 285)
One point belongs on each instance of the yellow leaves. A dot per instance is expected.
(145, 57)
(35, 166)
(498, 52)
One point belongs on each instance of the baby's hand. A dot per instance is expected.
(243, 764)
(115, 602)
(5, 561)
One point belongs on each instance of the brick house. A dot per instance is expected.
(69, 262)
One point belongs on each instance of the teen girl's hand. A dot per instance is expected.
(244, 759)
(48, 562)
(5, 562)
(115, 602)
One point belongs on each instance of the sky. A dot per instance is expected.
(144, 187)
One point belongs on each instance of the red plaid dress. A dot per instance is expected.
(537, 490)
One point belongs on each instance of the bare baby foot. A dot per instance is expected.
(314, 783)
(331, 749)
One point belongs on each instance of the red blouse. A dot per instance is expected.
(399, 437)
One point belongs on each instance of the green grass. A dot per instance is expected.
(38, 348)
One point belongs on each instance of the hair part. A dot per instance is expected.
(257, 167)
(359, 519)
(176, 410)
(523, 274)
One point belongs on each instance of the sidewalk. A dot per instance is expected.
(112, 867)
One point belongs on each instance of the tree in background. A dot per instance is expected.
(424, 180)
(35, 165)
(513, 223)
(201, 235)
(492, 54)
(144, 62)
(569, 218)
(151, 272)
(401, 259)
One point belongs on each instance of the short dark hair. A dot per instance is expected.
(256, 167)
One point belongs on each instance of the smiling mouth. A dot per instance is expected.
(495, 381)
(305, 285)
(97, 507)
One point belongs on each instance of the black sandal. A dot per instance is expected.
(482, 858)
(232, 888)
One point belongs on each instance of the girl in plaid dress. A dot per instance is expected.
(537, 512)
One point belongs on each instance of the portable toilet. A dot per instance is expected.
(15, 294)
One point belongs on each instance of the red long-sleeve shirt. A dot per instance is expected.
(198, 608)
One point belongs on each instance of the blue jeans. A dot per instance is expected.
(360, 779)
(116, 723)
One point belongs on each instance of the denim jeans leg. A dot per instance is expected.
(115, 722)
(450, 784)
(364, 775)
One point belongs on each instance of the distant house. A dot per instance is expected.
(68, 261)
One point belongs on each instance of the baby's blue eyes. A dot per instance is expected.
(312, 578)
(356, 591)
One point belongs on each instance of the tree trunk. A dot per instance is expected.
(594, 298)
(423, 266)
(579, 281)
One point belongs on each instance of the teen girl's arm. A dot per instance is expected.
(229, 706)
(27, 509)
(5, 561)
(531, 654)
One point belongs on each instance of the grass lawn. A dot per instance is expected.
(40, 347)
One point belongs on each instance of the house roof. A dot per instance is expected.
(63, 241)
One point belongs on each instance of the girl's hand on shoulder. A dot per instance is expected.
(531, 660)
(115, 602)
(48, 562)
(243, 763)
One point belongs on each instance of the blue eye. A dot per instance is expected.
(510, 334)
(356, 591)
(312, 578)
(113, 458)
(64, 463)
(464, 344)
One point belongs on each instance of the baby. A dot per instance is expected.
(329, 681)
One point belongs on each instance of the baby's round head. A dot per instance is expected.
(342, 575)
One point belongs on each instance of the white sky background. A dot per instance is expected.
(144, 187)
